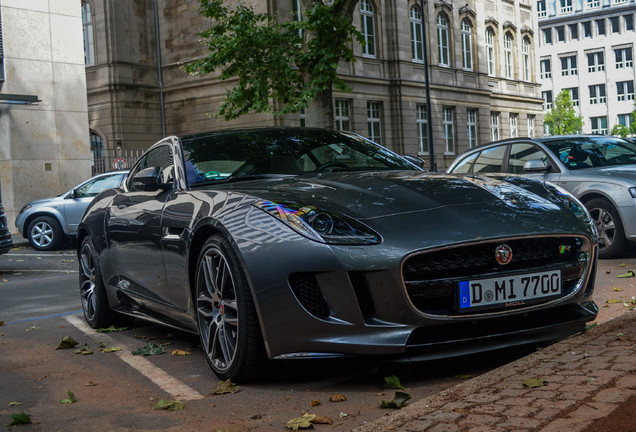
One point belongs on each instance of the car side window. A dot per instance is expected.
(490, 160)
(98, 185)
(161, 158)
(466, 164)
(521, 153)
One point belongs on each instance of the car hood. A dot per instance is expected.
(45, 201)
(407, 200)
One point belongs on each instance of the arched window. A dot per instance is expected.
(525, 58)
(508, 56)
(367, 25)
(87, 27)
(467, 45)
(442, 40)
(490, 51)
(416, 34)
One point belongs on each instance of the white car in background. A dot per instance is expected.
(48, 221)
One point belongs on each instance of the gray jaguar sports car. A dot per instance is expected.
(296, 242)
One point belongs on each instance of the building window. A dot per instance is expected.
(494, 126)
(547, 100)
(490, 51)
(442, 40)
(595, 62)
(629, 22)
(623, 58)
(530, 126)
(87, 29)
(625, 120)
(422, 127)
(342, 115)
(467, 44)
(367, 16)
(2, 76)
(525, 58)
(566, 6)
(560, 31)
(514, 132)
(593, 4)
(600, 27)
(472, 127)
(508, 56)
(416, 34)
(541, 11)
(547, 36)
(569, 66)
(546, 69)
(587, 29)
(97, 146)
(302, 117)
(599, 125)
(373, 121)
(449, 129)
(597, 94)
(615, 24)
(574, 31)
(625, 90)
(574, 95)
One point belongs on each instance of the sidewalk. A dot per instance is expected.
(587, 377)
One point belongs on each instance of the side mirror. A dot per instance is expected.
(415, 160)
(149, 179)
(535, 165)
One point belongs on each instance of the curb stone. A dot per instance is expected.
(588, 376)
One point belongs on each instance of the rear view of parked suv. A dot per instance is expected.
(599, 170)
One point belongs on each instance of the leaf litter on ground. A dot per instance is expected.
(149, 349)
(67, 342)
(534, 382)
(70, 399)
(392, 382)
(20, 419)
(225, 387)
(111, 329)
(84, 350)
(399, 400)
(169, 405)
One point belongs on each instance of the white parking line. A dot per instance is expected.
(166, 382)
(54, 254)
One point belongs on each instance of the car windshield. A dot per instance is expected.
(226, 156)
(587, 152)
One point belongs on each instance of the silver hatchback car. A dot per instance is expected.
(599, 170)
(47, 221)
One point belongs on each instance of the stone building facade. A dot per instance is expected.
(44, 136)
(587, 47)
(483, 74)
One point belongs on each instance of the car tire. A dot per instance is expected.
(226, 315)
(97, 313)
(612, 241)
(45, 233)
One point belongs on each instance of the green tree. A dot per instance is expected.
(562, 118)
(279, 66)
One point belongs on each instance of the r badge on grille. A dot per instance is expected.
(503, 254)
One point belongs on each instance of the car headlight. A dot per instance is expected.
(320, 225)
(25, 208)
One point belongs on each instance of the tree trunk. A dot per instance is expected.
(320, 111)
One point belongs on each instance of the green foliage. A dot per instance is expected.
(289, 62)
(150, 349)
(620, 130)
(20, 419)
(399, 401)
(562, 118)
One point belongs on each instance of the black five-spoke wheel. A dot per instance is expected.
(226, 316)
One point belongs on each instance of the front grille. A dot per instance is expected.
(306, 289)
(432, 278)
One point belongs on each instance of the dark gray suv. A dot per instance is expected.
(599, 170)
(5, 236)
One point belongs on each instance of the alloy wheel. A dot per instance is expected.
(217, 309)
(87, 281)
(42, 234)
(605, 226)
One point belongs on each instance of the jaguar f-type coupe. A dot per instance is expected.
(296, 242)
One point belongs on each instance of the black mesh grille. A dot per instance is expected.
(432, 278)
(307, 291)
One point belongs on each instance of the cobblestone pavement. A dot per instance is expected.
(586, 378)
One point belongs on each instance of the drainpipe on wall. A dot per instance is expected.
(159, 71)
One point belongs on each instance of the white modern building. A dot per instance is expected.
(587, 47)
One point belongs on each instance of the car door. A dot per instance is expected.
(78, 199)
(133, 231)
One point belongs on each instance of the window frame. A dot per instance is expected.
(443, 39)
(509, 67)
(625, 90)
(88, 33)
(342, 114)
(471, 126)
(421, 120)
(514, 125)
(467, 44)
(490, 51)
(494, 126)
(571, 65)
(546, 73)
(448, 123)
(374, 121)
(367, 28)
(417, 44)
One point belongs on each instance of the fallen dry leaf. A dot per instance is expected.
(179, 352)
(534, 382)
(315, 402)
(225, 387)
(337, 397)
(303, 422)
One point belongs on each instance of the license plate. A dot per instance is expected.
(509, 291)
